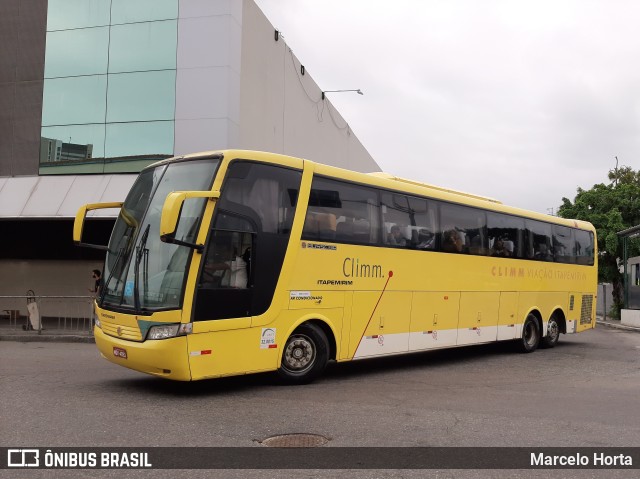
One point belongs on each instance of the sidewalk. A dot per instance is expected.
(72, 336)
(614, 323)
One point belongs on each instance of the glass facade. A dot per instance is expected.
(109, 88)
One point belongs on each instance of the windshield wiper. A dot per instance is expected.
(112, 270)
(141, 252)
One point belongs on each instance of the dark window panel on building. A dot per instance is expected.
(25, 241)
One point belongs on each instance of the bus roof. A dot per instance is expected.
(385, 180)
(387, 176)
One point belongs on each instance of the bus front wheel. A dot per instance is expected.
(305, 355)
(530, 335)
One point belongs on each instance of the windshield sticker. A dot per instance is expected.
(268, 338)
(128, 289)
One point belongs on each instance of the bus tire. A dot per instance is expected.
(305, 355)
(553, 334)
(530, 339)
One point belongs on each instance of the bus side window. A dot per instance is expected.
(345, 212)
(464, 231)
(397, 222)
(563, 244)
(583, 248)
(506, 235)
(539, 240)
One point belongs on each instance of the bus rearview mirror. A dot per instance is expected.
(172, 208)
(78, 224)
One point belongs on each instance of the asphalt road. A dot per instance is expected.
(584, 392)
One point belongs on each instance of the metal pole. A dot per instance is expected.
(604, 286)
(626, 281)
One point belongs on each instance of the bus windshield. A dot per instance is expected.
(142, 273)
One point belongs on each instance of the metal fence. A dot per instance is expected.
(49, 313)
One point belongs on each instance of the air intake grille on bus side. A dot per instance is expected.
(585, 313)
(571, 301)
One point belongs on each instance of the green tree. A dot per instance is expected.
(610, 208)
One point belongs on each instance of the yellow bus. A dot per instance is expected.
(236, 262)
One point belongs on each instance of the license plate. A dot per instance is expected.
(120, 353)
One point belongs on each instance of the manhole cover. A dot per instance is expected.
(295, 440)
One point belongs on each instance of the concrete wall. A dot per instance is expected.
(605, 295)
(23, 25)
(208, 75)
(281, 110)
(630, 317)
(47, 278)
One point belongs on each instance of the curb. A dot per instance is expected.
(617, 325)
(50, 338)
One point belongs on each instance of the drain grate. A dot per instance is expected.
(295, 440)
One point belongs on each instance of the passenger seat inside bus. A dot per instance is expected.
(326, 225)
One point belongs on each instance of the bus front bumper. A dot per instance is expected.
(167, 358)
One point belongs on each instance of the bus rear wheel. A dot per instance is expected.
(305, 355)
(530, 339)
(553, 334)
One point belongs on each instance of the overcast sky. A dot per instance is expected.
(522, 101)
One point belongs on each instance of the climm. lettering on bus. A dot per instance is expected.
(353, 268)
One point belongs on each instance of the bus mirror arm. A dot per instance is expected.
(78, 224)
(171, 212)
(169, 239)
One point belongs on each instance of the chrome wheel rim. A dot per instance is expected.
(299, 354)
(553, 331)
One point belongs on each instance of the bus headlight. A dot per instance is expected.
(166, 331)
(97, 323)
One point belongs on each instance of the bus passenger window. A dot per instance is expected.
(398, 222)
(396, 237)
(539, 241)
(465, 230)
(426, 239)
(452, 241)
(563, 244)
(343, 211)
(583, 249)
(506, 235)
